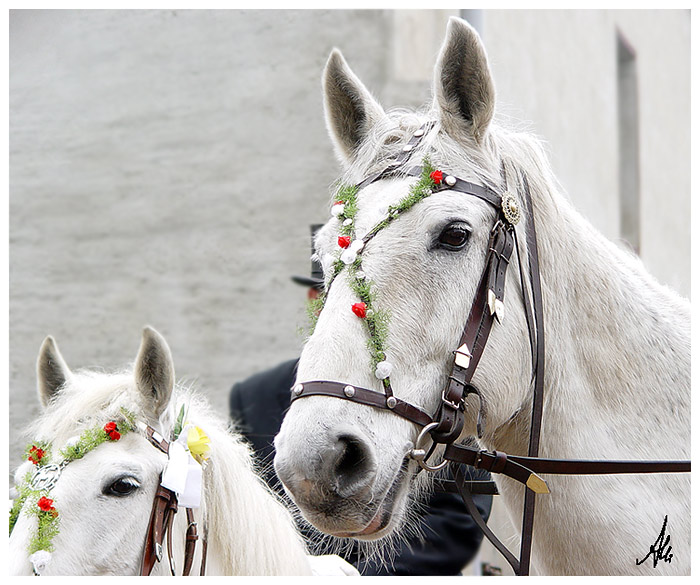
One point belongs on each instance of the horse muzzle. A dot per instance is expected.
(334, 480)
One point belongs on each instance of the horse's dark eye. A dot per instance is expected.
(454, 237)
(124, 486)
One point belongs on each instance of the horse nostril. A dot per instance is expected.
(352, 465)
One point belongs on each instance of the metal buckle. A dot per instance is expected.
(449, 403)
(419, 454)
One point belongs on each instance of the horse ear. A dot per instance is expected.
(349, 107)
(463, 87)
(154, 371)
(51, 370)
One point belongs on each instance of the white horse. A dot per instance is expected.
(617, 379)
(104, 499)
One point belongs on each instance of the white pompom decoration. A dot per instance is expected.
(39, 560)
(337, 209)
(383, 370)
(349, 256)
(357, 245)
(347, 222)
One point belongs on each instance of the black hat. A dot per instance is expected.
(316, 278)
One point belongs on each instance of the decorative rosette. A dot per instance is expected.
(383, 370)
(360, 309)
(198, 444)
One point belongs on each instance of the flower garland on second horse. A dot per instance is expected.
(37, 484)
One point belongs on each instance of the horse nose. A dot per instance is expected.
(351, 463)
(343, 465)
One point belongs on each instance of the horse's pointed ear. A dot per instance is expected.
(51, 370)
(463, 87)
(154, 371)
(349, 107)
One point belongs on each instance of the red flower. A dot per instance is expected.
(360, 309)
(45, 504)
(343, 241)
(436, 176)
(35, 454)
(339, 202)
(111, 430)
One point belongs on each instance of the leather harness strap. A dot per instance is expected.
(538, 391)
(521, 468)
(165, 506)
(157, 527)
(363, 396)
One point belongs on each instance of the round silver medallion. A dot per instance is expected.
(391, 402)
(511, 209)
(298, 389)
(46, 477)
(349, 391)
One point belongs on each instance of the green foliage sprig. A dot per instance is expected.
(35, 502)
(377, 320)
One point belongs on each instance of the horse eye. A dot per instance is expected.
(454, 237)
(124, 486)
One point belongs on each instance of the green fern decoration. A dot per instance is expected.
(377, 320)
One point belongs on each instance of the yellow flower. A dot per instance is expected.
(198, 444)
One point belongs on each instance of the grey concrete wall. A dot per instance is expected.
(165, 165)
(556, 69)
(164, 169)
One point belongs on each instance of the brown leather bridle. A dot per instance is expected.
(446, 424)
(165, 506)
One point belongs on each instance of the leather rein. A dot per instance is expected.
(165, 506)
(446, 424)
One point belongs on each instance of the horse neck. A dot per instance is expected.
(617, 374)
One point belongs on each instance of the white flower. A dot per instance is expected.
(72, 441)
(39, 560)
(348, 256)
(357, 245)
(383, 370)
(360, 274)
(337, 209)
(347, 222)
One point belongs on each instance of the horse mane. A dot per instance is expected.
(250, 531)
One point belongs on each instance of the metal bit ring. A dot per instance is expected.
(419, 454)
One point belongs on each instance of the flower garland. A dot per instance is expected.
(349, 253)
(37, 484)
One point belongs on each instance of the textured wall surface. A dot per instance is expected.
(165, 165)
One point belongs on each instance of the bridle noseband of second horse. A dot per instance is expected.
(446, 424)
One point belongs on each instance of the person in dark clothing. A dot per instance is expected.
(451, 538)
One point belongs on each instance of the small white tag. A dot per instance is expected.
(175, 473)
(183, 475)
(191, 497)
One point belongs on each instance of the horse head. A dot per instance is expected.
(101, 501)
(345, 464)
